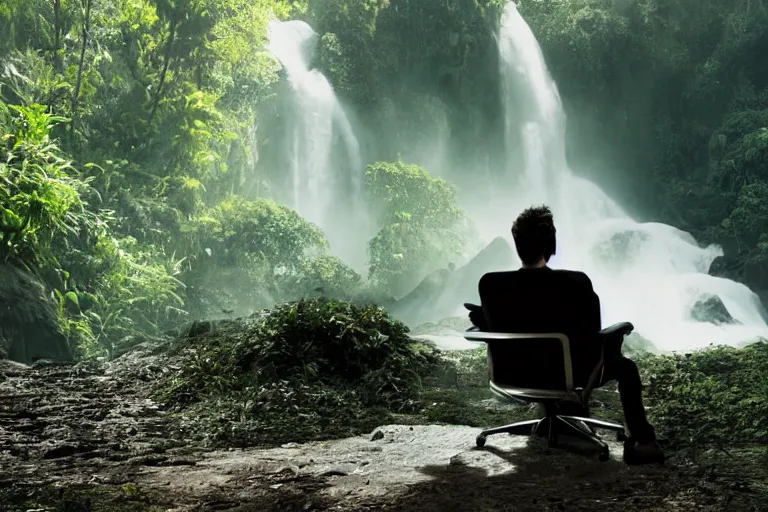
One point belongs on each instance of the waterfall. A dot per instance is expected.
(326, 184)
(647, 273)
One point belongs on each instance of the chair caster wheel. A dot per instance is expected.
(604, 456)
(480, 441)
(621, 436)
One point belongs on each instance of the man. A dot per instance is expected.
(537, 298)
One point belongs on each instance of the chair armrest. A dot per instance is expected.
(611, 340)
(622, 328)
(472, 307)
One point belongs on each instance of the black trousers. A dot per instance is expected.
(625, 372)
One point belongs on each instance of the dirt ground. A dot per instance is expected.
(86, 438)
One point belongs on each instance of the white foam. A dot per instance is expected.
(648, 273)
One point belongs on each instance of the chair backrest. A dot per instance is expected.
(541, 301)
(528, 360)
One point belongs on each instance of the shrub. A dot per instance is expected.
(713, 397)
(316, 359)
(106, 287)
(238, 250)
(40, 193)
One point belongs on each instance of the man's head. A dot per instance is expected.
(534, 234)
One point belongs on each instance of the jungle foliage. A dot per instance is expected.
(129, 151)
(320, 360)
(420, 227)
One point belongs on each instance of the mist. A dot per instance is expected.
(651, 274)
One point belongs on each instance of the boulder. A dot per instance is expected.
(710, 308)
(29, 323)
(636, 345)
(441, 294)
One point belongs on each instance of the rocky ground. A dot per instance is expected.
(86, 437)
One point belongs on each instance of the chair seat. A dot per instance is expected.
(534, 395)
(566, 409)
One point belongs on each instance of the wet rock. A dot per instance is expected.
(710, 308)
(64, 450)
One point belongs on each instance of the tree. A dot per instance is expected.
(421, 228)
(239, 251)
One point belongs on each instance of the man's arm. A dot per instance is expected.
(610, 339)
(481, 316)
(591, 320)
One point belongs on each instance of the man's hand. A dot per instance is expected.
(612, 339)
(476, 316)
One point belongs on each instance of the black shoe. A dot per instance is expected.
(642, 453)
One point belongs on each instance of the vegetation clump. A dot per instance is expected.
(304, 370)
(421, 229)
(712, 398)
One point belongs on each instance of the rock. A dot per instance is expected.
(12, 368)
(441, 294)
(61, 451)
(635, 345)
(199, 328)
(337, 471)
(710, 308)
(409, 455)
(29, 324)
(443, 327)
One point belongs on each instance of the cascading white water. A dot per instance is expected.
(648, 273)
(321, 192)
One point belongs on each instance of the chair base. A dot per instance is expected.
(552, 427)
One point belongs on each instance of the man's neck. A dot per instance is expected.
(539, 264)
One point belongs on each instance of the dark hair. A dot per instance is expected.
(534, 234)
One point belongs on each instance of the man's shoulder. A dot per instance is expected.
(499, 273)
(574, 276)
(495, 277)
